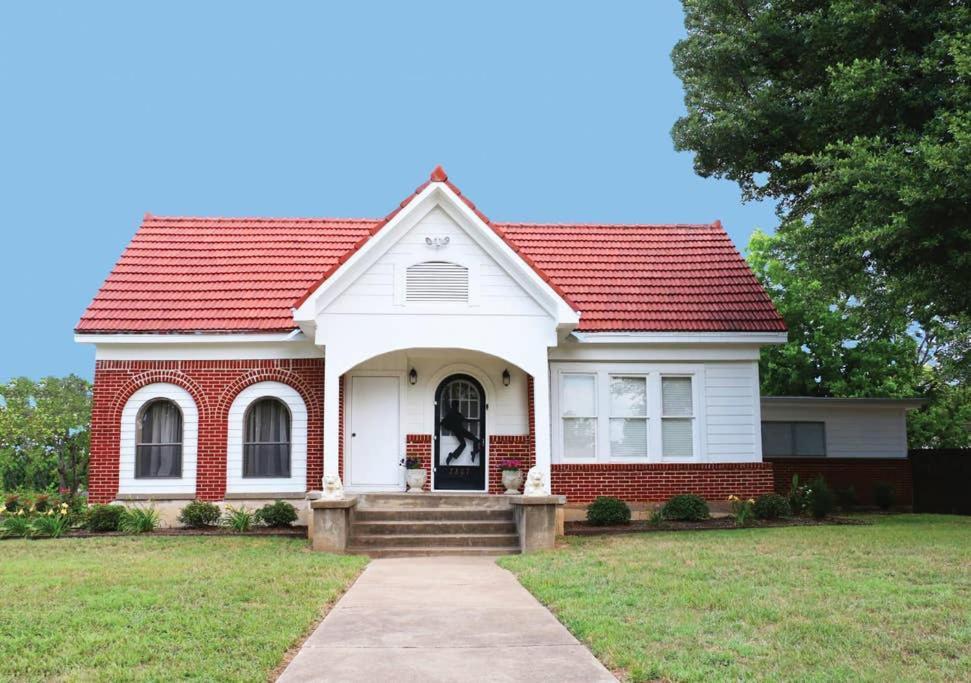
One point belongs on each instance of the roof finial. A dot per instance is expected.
(438, 175)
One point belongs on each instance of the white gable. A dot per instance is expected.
(436, 267)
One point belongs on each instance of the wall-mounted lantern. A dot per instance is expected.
(506, 377)
(413, 377)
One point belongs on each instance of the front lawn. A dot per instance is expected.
(887, 602)
(159, 608)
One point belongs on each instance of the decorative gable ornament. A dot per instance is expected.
(437, 242)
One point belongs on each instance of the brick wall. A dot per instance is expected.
(840, 473)
(659, 481)
(213, 384)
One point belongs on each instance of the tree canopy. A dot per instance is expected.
(44, 433)
(855, 117)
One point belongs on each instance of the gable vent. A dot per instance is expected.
(437, 281)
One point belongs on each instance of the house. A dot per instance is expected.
(246, 358)
(853, 443)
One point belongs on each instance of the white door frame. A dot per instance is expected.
(348, 421)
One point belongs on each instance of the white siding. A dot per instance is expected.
(852, 431)
(508, 410)
(381, 289)
(732, 407)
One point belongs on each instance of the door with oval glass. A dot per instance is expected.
(460, 435)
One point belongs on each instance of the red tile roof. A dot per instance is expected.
(182, 275)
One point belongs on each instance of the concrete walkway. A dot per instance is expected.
(441, 619)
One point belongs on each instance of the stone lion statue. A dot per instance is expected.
(534, 483)
(333, 489)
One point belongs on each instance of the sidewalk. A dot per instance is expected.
(441, 619)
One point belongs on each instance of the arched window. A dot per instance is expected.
(266, 439)
(158, 440)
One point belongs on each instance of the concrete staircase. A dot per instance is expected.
(409, 525)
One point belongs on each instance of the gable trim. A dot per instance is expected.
(437, 193)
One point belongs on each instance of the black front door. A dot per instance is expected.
(460, 435)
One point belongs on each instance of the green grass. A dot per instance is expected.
(154, 609)
(889, 602)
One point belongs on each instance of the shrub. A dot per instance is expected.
(686, 507)
(846, 498)
(15, 526)
(139, 520)
(884, 495)
(11, 503)
(798, 496)
(607, 511)
(743, 509)
(656, 517)
(277, 514)
(101, 518)
(771, 506)
(821, 498)
(198, 514)
(238, 519)
(50, 525)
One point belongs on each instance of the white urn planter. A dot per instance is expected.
(512, 480)
(415, 479)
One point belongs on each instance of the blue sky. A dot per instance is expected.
(539, 112)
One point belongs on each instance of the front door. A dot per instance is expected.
(373, 434)
(460, 435)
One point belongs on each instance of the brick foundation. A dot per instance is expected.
(841, 473)
(213, 384)
(648, 482)
(420, 446)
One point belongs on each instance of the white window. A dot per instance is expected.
(578, 410)
(266, 443)
(677, 417)
(628, 417)
(158, 440)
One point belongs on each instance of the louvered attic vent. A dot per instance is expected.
(437, 281)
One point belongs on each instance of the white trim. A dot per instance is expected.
(186, 484)
(681, 337)
(208, 351)
(436, 194)
(862, 402)
(297, 481)
(228, 338)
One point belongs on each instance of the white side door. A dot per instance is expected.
(373, 434)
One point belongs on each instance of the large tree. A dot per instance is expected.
(44, 433)
(850, 346)
(855, 117)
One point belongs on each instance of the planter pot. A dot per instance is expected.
(512, 480)
(415, 480)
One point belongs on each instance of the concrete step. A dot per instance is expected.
(432, 541)
(453, 514)
(422, 551)
(427, 527)
(431, 500)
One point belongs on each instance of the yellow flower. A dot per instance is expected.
(20, 512)
(50, 512)
(751, 501)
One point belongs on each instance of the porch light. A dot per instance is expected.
(506, 378)
(413, 377)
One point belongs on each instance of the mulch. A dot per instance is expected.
(715, 523)
(292, 532)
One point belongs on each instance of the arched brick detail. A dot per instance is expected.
(315, 421)
(213, 384)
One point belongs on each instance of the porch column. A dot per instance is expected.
(541, 419)
(332, 425)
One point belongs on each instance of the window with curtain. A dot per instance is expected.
(158, 441)
(677, 416)
(806, 439)
(578, 410)
(628, 417)
(266, 439)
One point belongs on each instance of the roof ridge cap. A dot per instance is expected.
(258, 219)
